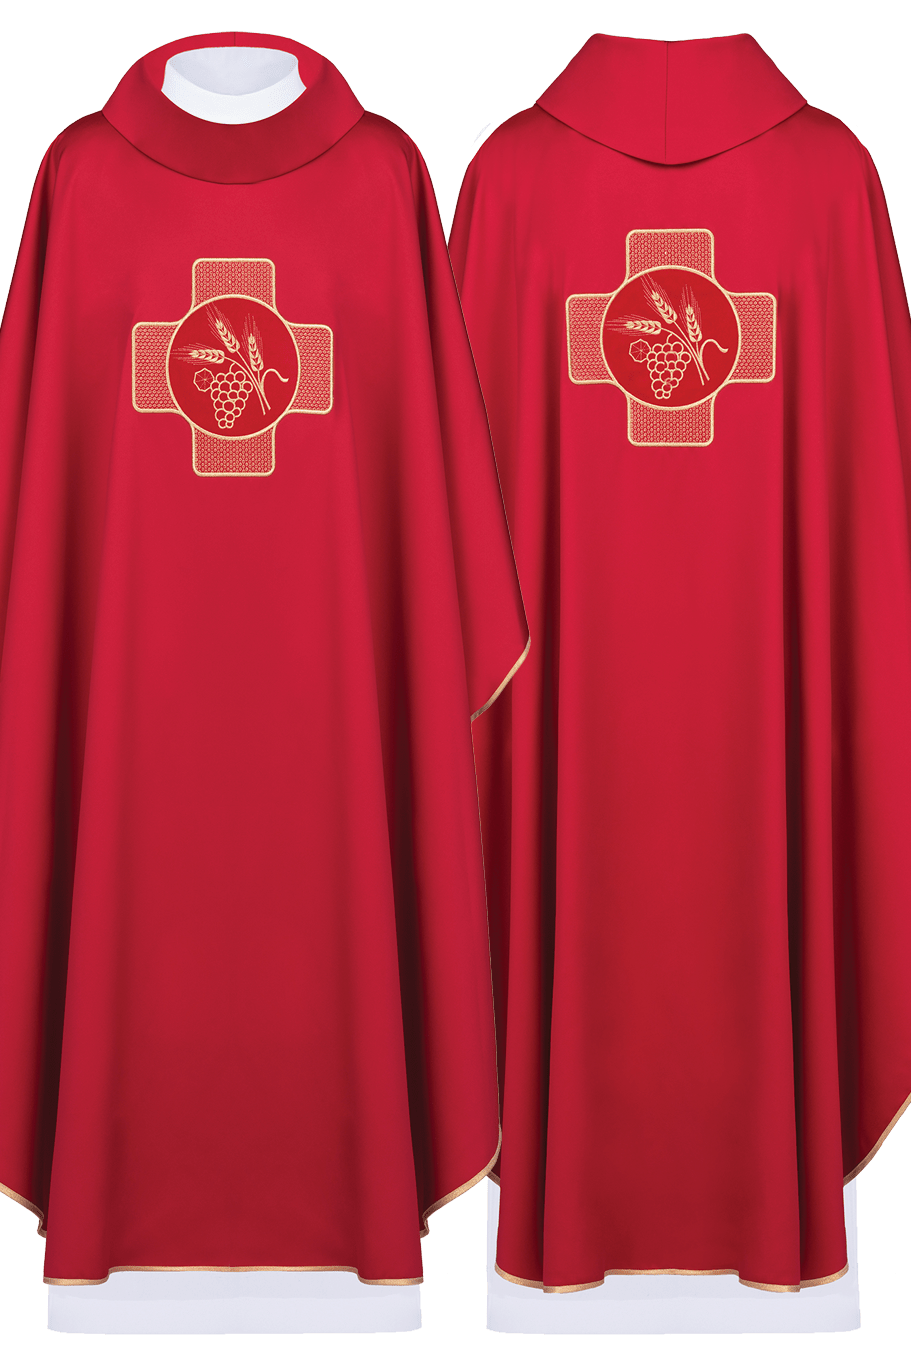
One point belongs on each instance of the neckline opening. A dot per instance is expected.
(232, 85)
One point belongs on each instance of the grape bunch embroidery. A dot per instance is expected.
(679, 339)
(245, 368)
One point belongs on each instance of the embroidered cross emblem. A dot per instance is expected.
(233, 367)
(671, 337)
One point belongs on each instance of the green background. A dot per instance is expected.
(443, 71)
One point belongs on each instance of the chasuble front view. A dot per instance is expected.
(684, 300)
(256, 581)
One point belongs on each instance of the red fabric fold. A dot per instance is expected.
(697, 800)
(238, 813)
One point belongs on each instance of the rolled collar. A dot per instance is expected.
(233, 153)
(671, 102)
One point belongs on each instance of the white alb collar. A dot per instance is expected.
(232, 84)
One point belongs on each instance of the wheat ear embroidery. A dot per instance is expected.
(632, 324)
(255, 356)
(693, 315)
(254, 343)
(245, 374)
(201, 353)
(685, 339)
(658, 298)
(222, 328)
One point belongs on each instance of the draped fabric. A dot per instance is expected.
(256, 579)
(692, 335)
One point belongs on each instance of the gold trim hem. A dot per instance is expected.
(820, 1281)
(339, 1267)
(21, 1201)
(460, 1191)
(880, 1141)
(367, 1281)
(672, 1272)
(496, 693)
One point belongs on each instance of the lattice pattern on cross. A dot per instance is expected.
(664, 424)
(242, 283)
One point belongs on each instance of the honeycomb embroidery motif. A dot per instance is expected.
(233, 367)
(670, 337)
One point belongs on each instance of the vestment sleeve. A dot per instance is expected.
(30, 1025)
(493, 618)
(854, 648)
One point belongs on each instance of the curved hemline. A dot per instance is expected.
(880, 1141)
(460, 1191)
(22, 1201)
(821, 1281)
(367, 1281)
(208, 1267)
(670, 1272)
(497, 691)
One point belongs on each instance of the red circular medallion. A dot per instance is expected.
(233, 366)
(670, 337)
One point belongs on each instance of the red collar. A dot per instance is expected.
(233, 153)
(671, 102)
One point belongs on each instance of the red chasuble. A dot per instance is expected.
(685, 304)
(257, 578)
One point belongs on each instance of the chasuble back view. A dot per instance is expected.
(256, 579)
(692, 334)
